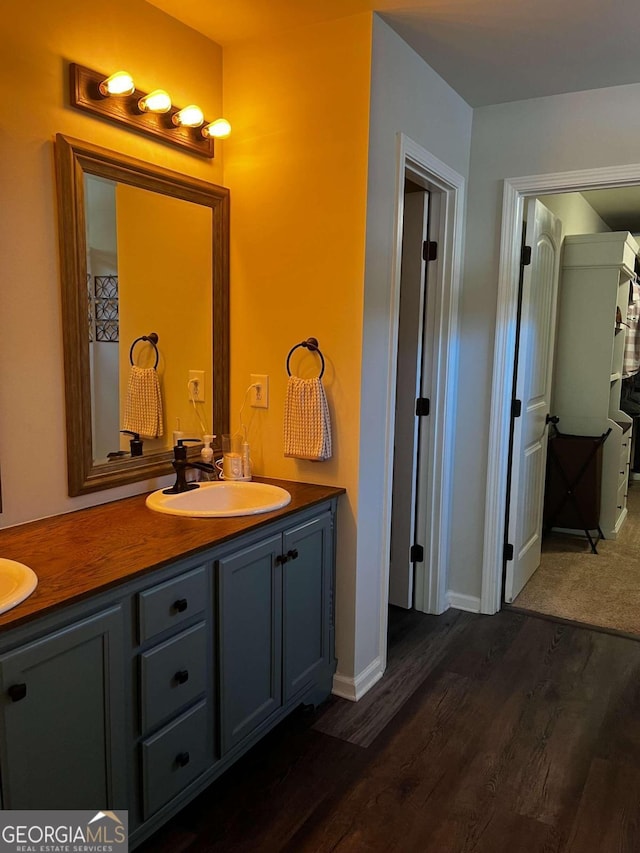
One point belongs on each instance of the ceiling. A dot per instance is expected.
(489, 51)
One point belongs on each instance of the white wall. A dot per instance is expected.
(561, 133)
(406, 96)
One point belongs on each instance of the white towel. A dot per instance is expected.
(143, 406)
(307, 427)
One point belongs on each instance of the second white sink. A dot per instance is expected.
(221, 499)
(17, 582)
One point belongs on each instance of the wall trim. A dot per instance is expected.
(470, 603)
(516, 191)
(436, 176)
(354, 688)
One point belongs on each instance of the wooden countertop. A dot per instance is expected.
(88, 551)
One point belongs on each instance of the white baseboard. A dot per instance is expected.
(471, 603)
(354, 688)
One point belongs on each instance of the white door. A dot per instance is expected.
(533, 389)
(405, 457)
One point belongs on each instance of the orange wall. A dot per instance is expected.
(165, 269)
(41, 38)
(296, 166)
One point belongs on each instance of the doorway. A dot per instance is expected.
(446, 188)
(570, 580)
(516, 194)
(413, 383)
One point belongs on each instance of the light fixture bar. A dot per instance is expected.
(85, 95)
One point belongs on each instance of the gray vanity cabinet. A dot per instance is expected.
(275, 625)
(141, 695)
(307, 611)
(62, 721)
(250, 618)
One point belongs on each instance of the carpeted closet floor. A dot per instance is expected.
(601, 589)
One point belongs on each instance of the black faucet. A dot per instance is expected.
(180, 465)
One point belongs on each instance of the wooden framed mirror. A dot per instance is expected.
(142, 250)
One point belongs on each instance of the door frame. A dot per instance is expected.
(516, 192)
(422, 167)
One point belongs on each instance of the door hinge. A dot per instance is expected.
(516, 408)
(429, 250)
(422, 406)
(525, 260)
(416, 554)
(508, 551)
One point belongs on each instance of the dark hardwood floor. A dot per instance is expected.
(519, 734)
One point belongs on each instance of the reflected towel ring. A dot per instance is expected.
(312, 345)
(152, 338)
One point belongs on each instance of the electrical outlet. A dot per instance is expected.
(260, 391)
(196, 386)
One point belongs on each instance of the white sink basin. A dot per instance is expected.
(17, 582)
(221, 499)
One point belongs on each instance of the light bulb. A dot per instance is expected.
(120, 83)
(157, 101)
(191, 116)
(219, 129)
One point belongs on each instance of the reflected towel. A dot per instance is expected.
(307, 427)
(143, 406)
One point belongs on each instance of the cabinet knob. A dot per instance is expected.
(180, 605)
(182, 676)
(182, 759)
(292, 554)
(17, 692)
(281, 558)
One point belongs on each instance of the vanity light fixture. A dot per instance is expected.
(151, 114)
(191, 116)
(119, 83)
(218, 129)
(157, 101)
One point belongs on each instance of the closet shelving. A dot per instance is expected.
(596, 272)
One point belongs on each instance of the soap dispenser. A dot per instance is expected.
(136, 442)
(206, 454)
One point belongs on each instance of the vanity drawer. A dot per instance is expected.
(172, 675)
(174, 757)
(171, 603)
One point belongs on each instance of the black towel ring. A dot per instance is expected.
(312, 345)
(152, 338)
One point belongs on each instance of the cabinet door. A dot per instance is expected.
(250, 585)
(62, 719)
(307, 603)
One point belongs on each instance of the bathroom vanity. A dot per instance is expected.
(157, 649)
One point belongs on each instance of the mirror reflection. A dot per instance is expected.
(144, 264)
(149, 269)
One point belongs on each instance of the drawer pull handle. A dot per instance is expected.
(182, 676)
(180, 605)
(17, 692)
(182, 759)
(293, 554)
